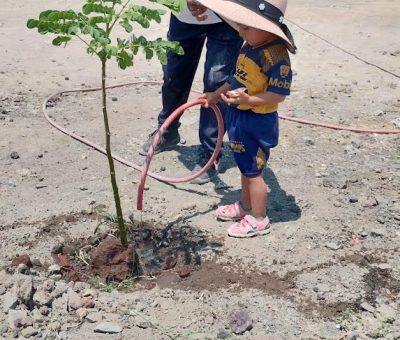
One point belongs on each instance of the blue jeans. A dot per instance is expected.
(223, 44)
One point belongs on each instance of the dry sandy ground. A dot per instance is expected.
(306, 279)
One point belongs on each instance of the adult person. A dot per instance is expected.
(192, 28)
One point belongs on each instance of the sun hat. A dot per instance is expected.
(261, 14)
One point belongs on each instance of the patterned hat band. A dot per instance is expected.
(263, 8)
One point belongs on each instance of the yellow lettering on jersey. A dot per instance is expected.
(279, 83)
(237, 147)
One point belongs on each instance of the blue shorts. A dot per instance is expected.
(251, 136)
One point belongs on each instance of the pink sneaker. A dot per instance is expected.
(230, 212)
(249, 227)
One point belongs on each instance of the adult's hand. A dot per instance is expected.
(197, 10)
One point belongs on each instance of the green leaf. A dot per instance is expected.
(111, 50)
(149, 53)
(142, 15)
(45, 14)
(60, 40)
(162, 57)
(97, 20)
(126, 25)
(124, 59)
(96, 8)
(61, 15)
(175, 6)
(32, 23)
(104, 41)
(73, 30)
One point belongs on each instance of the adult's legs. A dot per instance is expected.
(223, 44)
(180, 69)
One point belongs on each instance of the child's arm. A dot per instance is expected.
(213, 97)
(239, 96)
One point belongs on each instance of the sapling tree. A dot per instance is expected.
(94, 26)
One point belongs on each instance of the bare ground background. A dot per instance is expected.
(306, 280)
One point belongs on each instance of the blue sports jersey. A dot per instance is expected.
(265, 68)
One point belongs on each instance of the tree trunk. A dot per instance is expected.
(121, 224)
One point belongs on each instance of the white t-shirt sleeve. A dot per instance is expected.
(187, 17)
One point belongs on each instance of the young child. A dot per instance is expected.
(261, 81)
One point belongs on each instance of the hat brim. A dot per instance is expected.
(234, 14)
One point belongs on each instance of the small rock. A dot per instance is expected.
(353, 199)
(333, 246)
(82, 313)
(54, 269)
(108, 327)
(25, 259)
(184, 271)
(144, 324)
(16, 317)
(87, 302)
(37, 316)
(170, 262)
(10, 301)
(367, 307)
(223, 334)
(22, 269)
(28, 332)
(54, 326)
(240, 321)
(14, 155)
(396, 122)
(94, 317)
(384, 266)
(189, 206)
(307, 140)
(90, 292)
(42, 297)
(377, 232)
(69, 218)
(74, 301)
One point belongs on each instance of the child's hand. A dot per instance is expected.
(211, 97)
(237, 97)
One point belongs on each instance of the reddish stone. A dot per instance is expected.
(87, 302)
(69, 218)
(184, 271)
(170, 262)
(64, 261)
(74, 276)
(148, 285)
(25, 259)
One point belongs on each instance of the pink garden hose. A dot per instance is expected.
(177, 113)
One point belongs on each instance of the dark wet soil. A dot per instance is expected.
(379, 281)
(171, 257)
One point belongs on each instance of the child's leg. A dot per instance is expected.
(258, 197)
(245, 194)
(254, 196)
